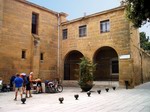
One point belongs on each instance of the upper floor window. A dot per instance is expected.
(104, 26)
(35, 23)
(82, 31)
(65, 33)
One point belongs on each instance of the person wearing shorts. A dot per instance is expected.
(28, 85)
(38, 86)
(18, 85)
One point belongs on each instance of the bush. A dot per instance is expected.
(85, 72)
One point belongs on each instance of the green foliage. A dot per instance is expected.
(138, 12)
(144, 41)
(86, 70)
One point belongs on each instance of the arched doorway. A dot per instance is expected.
(107, 64)
(70, 64)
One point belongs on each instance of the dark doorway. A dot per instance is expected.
(107, 64)
(70, 64)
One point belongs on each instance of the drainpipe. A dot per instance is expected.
(58, 52)
(141, 69)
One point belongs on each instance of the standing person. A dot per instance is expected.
(18, 85)
(12, 83)
(24, 77)
(28, 85)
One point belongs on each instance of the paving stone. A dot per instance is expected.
(120, 100)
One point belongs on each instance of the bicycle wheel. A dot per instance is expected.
(53, 90)
(59, 88)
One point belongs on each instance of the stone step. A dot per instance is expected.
(73, 83)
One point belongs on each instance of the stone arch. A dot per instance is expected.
(107, 68)
(70, 64)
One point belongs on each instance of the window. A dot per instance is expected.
(115, 67)
(82, 31)
(23, 55)
(104, 26)
(65, 33)
(34, 23)
(42, 56)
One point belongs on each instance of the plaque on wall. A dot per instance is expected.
(127, 56)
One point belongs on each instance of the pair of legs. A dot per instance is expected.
(28, 91)
(16, 92)
(23, 89)
(39, 87)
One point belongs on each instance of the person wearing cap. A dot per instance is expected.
(28, 85)
(18, 85)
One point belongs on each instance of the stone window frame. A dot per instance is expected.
(105, 26)
(82, 30)
(65, 33)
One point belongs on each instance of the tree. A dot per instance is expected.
(85, 73)
(144, 41)
(138, 12)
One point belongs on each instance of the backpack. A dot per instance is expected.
(25, 79)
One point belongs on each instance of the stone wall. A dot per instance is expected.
(17, 36)
(145, 66)
(1, 22)
(1, 12)
(135, 55)
(118, 38)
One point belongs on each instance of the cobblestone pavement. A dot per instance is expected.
(119, 100)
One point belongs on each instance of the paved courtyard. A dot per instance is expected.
(120, 100)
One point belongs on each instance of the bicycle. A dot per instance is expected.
(54, 87)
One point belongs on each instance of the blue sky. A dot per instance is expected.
(77, 8)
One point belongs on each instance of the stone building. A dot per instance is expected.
(107, 38)
(29, 39)
(34, 38)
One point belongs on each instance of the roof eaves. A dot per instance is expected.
(92, 15)
(37, 6)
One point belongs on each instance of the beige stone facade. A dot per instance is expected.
(116, 49)
(117, 39)
(16, 37)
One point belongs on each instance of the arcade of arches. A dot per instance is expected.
(107, 68)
